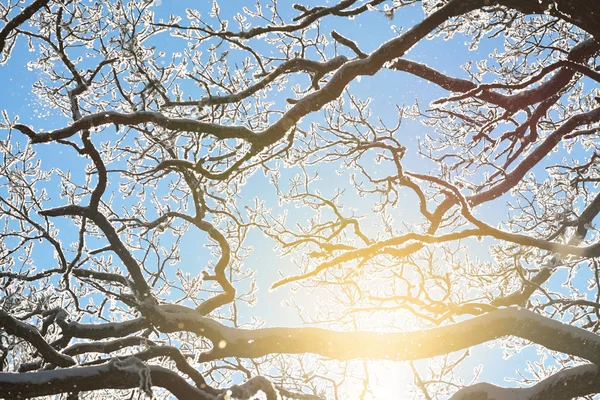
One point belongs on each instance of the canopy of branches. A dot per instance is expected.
(335, 199)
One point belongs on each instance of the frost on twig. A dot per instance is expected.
(136, 366)
(250, 389)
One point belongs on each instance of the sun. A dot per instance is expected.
(390, 380)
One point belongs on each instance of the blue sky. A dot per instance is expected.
(387, 88)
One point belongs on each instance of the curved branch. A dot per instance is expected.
(579, 53)
(313, 102)
(483, 229)
(140, 117)
(515, 176)
(298, 64)
(565, 64)
(141, 286)
(308, 17)
(99, 331)
(229, 291)
(103, 276)
(581, 13)
(377, 247)
(32, 335)
(100, 377)
(399, 346)
(19, 19)
(567, 384)
(180, 362)
(105, 347)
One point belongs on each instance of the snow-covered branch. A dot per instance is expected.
(233, 342)
(569, 383)
(30, 333)
(113, 375)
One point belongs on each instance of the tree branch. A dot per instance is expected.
(233, 342)
(107, 376)
(19, 19)
(32, 335)
(570, 383)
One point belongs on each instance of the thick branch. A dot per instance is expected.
(400, 346)
(578, 54)
(32, 335)
(19, 19)
(229, 291)
(141, 117)
(566, 384)
(102, 276)
(582, 13)
(99, 331)
(107, 376)
(106, 347)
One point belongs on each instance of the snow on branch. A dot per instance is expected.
(99, 331)
(574, 382)
(121, 374)
(400, 346)
(30, 333)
